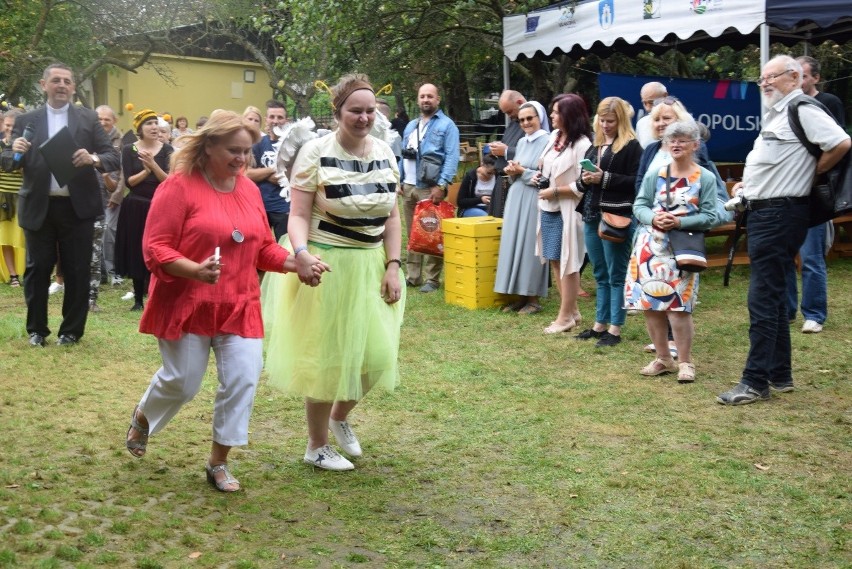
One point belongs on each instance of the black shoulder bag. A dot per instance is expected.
(831, 195)
(688, 246)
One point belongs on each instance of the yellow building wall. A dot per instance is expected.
(196, 87)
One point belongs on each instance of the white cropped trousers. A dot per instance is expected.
(238, 361)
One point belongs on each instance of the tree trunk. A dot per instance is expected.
(456, 96)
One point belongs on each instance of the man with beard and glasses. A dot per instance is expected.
(778, 175)
(432, 134)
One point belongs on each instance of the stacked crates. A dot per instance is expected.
(471, 246)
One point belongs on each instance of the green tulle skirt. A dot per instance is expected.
(337, 341)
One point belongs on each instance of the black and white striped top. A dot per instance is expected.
(354, 196)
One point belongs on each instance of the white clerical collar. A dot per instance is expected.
(60, 111)
(536, 134)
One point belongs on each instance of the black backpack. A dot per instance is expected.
(831, 195)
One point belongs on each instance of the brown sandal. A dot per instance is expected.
(530, 308)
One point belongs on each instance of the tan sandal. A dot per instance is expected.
(659, 367)
(686, 373)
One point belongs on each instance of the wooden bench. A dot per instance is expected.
(840, 247)
(842, 244)
(719, 258)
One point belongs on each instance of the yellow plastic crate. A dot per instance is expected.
(469, 287)
(474, 244)
(486, 226)
(470, 274)
(472, 302)
(470, 258)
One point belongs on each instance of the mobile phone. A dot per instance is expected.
(216, 256)
(587, 165)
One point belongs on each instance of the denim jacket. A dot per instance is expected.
(442, 140)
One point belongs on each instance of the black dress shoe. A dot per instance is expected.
(67, 340)
(137, 306)
(590, 333)
(37, 340)
(608, 340)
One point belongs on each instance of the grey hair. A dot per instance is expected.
(790, 64)
(683, 129)
(100, 108)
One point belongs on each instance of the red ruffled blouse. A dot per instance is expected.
(189, 219)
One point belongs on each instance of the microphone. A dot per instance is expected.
(29, 131)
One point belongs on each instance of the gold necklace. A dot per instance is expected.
(362, 154)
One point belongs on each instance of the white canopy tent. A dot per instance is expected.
(604, 26)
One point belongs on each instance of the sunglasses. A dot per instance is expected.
(666, 101)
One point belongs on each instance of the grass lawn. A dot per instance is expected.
(502, 447)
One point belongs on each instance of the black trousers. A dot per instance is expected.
(72, 237)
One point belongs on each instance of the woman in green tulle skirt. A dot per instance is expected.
(334, 343)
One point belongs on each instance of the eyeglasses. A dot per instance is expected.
(526, 119)
(769, 79)
(666, 101)
(679, 143)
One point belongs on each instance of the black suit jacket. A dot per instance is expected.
(84, 188)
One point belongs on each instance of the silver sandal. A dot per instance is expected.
(142, 442)
(221, 486)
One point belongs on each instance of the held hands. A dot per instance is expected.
(665, 221)
(309, 268)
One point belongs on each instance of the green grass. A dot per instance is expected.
(502, 447)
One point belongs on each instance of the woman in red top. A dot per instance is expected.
(205, 239)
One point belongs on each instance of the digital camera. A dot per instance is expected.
(543, 183)
(409, 153)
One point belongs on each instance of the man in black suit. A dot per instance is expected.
(60, 217)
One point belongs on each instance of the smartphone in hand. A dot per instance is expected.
(587, 165)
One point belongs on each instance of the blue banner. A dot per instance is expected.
(730, 109)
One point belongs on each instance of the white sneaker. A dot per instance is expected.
(327, 458)
(345, 437)
(55, 287)
(811, 327)
(115, 280)
(128, 296)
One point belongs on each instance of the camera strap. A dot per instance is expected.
(425, 131)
